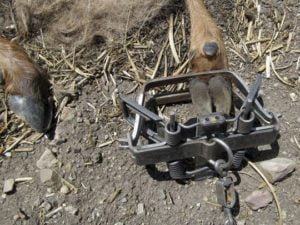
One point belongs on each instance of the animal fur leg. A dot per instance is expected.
(208, 47)
(27, 86)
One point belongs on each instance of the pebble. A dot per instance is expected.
(162, 194)
(47, 160)
(16, 217)
(119, 223)
(47, 206)
(124, 200)
(241, 222)
(97, 157)
(259, 199)
(79, 120)
(140, 209)
(72, 210)
(9, 185)
(67, 114)
(298, 120)
(278, 168)
(294, 97)
(46, 175)
(65, 189)
(60, 135)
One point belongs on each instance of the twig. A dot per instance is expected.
(137, 75)
(280, 78)
(53, 212)
(17, 141)
(171, 39)
(159, 59)
(23, 179)
(106, 143)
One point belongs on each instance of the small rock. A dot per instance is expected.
(119, 223)
(162, 194)
(46, 175)
(67, 114)
(298, 120)
(60, 135)
(241, 222)
(65, 189)
(9, 185)
(46, 206)
(79, 120)
(278, 168)
(7, 154)
(86, 121)
(72, 210)
(16, 217)
(140, 209)
(293, 96)
(97, 157)
(259, 199)
(124, 200)
(47, 160)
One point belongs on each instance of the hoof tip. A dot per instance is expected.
(210, 49)
(36, 113)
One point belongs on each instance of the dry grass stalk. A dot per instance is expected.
(171, 39)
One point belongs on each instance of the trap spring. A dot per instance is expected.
(219, 141)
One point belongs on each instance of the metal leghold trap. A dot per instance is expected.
(219, 141)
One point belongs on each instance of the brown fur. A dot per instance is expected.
(80, 22)
(21, 75)
(217, 91)
(204, 30)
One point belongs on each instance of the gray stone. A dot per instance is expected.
(97, 157)
(72, 210)
(241, 222)
(47, 160)
(46, 175)
(67, 114)
(162, 194)
(9, 185)
(119, 223)
(47, 206)
(124, 200)
(278, 168)
(294, 97)
(60, 135)
(259, 199)
(140, 209)
(65, 189)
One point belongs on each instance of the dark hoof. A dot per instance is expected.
(221, 93)
(200, 97)
(210, 49)
(36, 113)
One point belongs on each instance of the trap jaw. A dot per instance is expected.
(219, 141)
(252, 125)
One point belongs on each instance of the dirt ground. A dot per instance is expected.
(109, 187)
